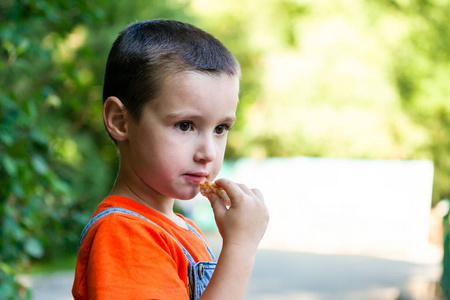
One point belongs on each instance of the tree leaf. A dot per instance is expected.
(10, 165)
(34, 247)
(7, 138)
(6, 290)
(39, 164)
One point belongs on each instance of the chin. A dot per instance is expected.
(182, 199)
(186, 196)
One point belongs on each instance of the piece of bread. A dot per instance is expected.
(208, 187)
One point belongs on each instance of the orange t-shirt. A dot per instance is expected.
(126, 257)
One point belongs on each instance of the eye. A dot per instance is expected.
(221, 129)
(184, 126)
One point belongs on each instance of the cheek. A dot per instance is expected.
(216, 169)
(153, 152)
(161, 166)
(168, 156)
(220, 152)
(173, 154)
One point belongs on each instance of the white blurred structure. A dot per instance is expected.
(343, 206)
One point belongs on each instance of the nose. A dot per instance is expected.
(205, 150)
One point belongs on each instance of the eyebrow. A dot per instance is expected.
(231, 118)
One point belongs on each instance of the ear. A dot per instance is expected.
(115, 117)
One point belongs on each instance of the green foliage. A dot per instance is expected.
(445, 279)
(56, 161)
(421, 72)
(39, 208)
(9, 287)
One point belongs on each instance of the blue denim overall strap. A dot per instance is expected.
(199, 274)
(191, 228)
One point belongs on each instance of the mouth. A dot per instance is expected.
(196, 177)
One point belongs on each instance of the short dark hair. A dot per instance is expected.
(146, 52)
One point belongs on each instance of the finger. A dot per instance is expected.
(217, 204)
(258, 194)
(238, 187)
(233, 190)
(245, 189)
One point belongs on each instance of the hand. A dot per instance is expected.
(245, 222)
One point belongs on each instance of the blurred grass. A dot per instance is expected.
(45, 267)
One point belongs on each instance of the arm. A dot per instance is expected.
(242, 227)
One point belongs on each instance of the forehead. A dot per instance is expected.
(198, 90)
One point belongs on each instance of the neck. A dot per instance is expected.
(163, 205)
(135, 189)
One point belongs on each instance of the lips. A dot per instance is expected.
(197, 177)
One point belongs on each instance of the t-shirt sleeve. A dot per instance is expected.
(132, 259)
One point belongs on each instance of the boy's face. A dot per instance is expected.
(181, 137)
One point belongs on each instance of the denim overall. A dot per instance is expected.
(199, 274)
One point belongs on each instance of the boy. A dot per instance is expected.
(170, 97)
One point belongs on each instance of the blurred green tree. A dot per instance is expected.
(422, 75)
(38, 210)
(56, 162)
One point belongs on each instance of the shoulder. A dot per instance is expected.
(116, 227)
(119, 237)
(122, 223)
